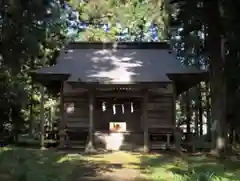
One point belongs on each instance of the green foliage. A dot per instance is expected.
(206, 24)
(31, 35)
(197, 177)
(133, 15)
(24, 28)
(191, 168)
(28, 165)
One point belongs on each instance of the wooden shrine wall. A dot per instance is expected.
(76, 107)
(160, 110)
(76, 111)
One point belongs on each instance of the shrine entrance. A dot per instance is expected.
(119, 119)
(118, 114)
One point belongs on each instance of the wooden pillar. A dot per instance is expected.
(174, 98)
(62, 125)
(168, 140)
(42, 119)
(145, 121)
(90, 146)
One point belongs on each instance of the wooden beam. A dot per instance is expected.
(62, 133)
(90, 146)
(139, 85)
(42, 119)
(152, 126)
(120, 94)
(145, 121)
(98, 93)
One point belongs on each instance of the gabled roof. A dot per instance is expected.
(118, 63)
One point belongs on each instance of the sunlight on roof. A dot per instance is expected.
(122, 67)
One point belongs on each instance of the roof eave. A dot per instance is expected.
(118, 45)
(144, 85)
(52, 81)
(185, 81)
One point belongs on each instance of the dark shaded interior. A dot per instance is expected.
(118, 110)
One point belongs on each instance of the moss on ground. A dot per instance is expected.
(21, 164)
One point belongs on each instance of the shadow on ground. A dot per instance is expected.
(199, 167)
(204, 165)
(153, 160)
(21, 164)
(31, 164)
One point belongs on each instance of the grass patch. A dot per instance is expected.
(21, 164)
(28, 164)
(125, 159)
(194, 168)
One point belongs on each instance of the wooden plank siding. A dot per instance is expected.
(160, 121)
(160, 111)
(77, 121)
(79, 117)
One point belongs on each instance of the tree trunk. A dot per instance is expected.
(208, 111)
(188, 112)
(218, 112)
(31, 117)
(200, 112)
(42, 118)
(196, 118)
(31, 121)
(217, 77)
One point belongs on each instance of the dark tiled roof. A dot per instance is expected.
(118, 63)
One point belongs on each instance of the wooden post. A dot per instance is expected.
(174, 104)
(62, 133)
(145, 120)
(50, 117)
(168, 140)
(90, 147)
(174, 93)
(42, 118)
